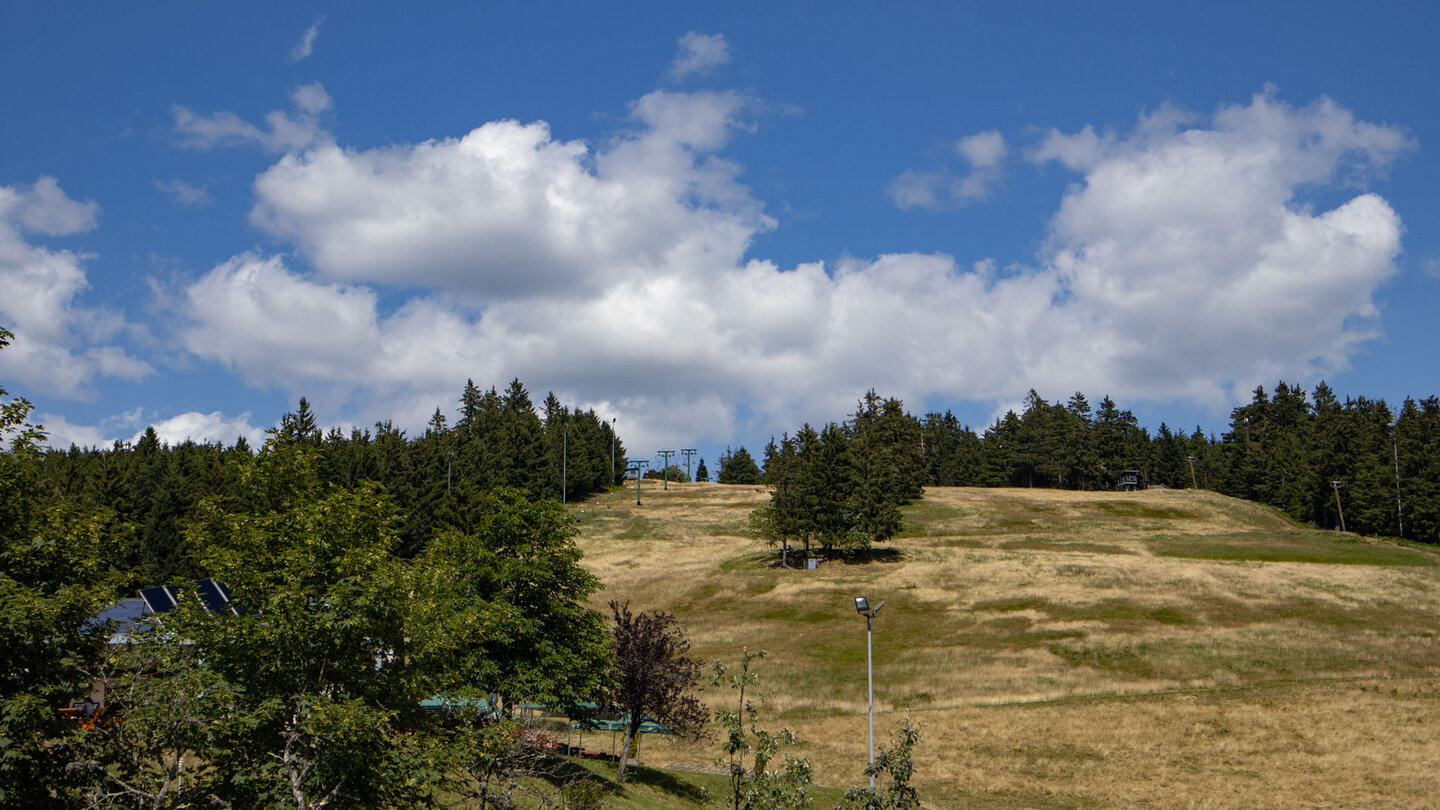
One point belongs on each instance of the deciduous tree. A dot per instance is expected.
(654, 677)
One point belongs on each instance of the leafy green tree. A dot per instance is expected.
(317, 655)
(500, 764)
(701, 472)
(154, 748)
(53, 581)
(757, 785)
(500, 610)
(893, 768)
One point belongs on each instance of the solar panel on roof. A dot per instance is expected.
(160, 599)
(213, 594)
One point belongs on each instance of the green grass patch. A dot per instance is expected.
(749, 563)
(734, 528)
(1012, 604)
(963, 542)
(637, 528)
(1072, 546)
(924, 518)
(1308, 547)
(1136, 509)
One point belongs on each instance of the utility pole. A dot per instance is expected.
(1338, 507)
(665, 470)
(612, 451)
(638, 466)
(1191, 459)
(565, 466)
(1399, 504)
(688, 453)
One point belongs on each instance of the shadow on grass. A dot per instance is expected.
(663, 780)
(872, 555)
(562, 772)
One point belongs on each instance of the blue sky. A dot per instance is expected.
(710, 221)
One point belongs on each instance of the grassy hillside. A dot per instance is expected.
(1163, 648)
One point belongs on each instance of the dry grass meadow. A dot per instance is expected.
(1162, 649)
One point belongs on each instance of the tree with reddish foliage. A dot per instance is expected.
(654, 678)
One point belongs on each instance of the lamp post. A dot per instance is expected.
(862, 606)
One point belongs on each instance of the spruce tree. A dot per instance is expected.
(738, 467)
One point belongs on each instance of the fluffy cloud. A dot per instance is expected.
(203, 428)
(699, 54)
(60, 433)
(508, 212)
(1185, 263)
(59, 347)
(214, 427)
(1188, 243)
(284, 131)
(984, 151)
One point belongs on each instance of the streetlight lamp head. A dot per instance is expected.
(862, 605)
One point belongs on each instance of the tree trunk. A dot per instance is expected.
(625, 752)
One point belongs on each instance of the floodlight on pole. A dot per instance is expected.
(862, 606)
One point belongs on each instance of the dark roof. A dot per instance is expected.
(122, 618)
(125, 616)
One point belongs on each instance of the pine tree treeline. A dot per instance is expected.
(1283, 450)
(439, 478)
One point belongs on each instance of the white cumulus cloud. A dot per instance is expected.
(1186, 262)
(60, 347)
(507, 211)
(206, 428)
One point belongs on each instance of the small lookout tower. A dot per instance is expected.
(1129, 481)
